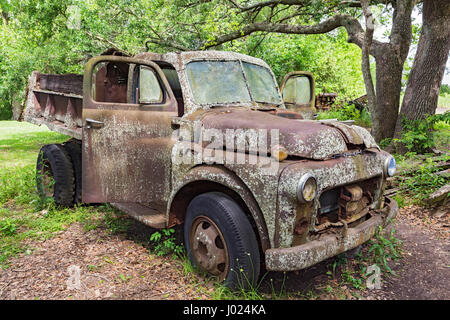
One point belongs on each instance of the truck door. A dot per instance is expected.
(128, 108)
(298, 92)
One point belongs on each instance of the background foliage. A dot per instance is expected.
(35, 35)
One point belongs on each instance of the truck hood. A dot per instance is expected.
(303, 138)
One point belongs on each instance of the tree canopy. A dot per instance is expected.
(334, 39)
(37, 35)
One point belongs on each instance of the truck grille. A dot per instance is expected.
(348, 203)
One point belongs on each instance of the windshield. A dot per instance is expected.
(221, 82)
(261, 83)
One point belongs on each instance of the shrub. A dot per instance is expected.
(418, 135)
(445, 89)
(425, 181)
(345, 112)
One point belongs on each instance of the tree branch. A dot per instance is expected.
(268, 3)
(166, 43)
(352, 25)
(109, 42)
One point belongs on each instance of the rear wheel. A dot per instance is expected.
(73, 148)
(54, 175)
(220, 240)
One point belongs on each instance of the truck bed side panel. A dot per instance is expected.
(56, 101)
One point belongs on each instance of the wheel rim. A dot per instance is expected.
(208, 247)
(48, 181)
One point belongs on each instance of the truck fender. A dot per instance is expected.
(207, 178)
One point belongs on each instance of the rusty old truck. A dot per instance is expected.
(204, 140)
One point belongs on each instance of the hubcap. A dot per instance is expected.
(209, 247)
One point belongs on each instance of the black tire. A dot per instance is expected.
(73, 148)
(235, 236)
(54, 175)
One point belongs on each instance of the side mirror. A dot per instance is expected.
(298, 92)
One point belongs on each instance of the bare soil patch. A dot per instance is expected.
(424, 271)
(110, 267)
(115, 267)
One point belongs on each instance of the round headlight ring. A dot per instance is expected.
(307, 188)
(390, 166)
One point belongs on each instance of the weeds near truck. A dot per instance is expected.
(353, 278)
(252, 292)
(384, 248)
(115, 223)
(341, 260)
(165, 243)
(348, 270)
(264, 289)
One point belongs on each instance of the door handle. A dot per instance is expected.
(94, 124)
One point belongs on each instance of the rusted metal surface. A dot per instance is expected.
(209, 247)
(58, 106)
(329, 245)
(307, 139)
(129, 154)
(360, 103)
(143, 213)
(129, 151)
(307, 110)
(189, 181)
(329, 174)
(67, 83)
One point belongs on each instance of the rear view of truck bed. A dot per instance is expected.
(56, 101)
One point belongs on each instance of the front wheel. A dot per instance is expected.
(220, 240)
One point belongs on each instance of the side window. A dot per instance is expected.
(109, 82)
(149, 88)
(120, 82)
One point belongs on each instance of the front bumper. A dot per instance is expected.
(306, 255)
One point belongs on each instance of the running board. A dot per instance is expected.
(143, 213)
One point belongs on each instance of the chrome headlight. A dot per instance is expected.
(390, 166)
(307, 188)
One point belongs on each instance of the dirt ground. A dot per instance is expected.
(97, 265)
(424, 271)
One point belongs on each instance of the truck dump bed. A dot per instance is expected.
(56, 101)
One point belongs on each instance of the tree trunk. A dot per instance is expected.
(388, 87)
(425, 79)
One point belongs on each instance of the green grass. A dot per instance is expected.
(21, 141)
(442, 136)
(444, 101)
(23, 215)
